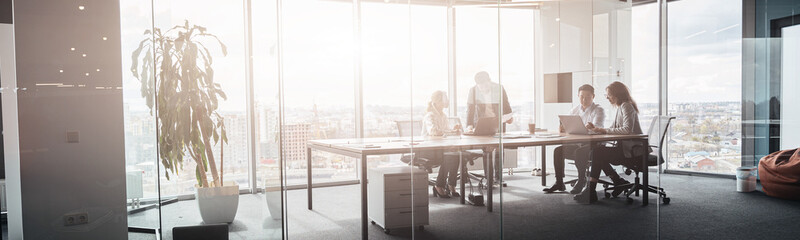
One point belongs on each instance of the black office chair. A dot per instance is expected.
(408, 128)
(656, 135)
(575, 181)
(201, 232)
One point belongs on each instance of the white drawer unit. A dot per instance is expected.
(393, 201)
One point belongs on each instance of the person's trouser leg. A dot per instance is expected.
(602, 157)
(611, 173)
(452, 171)
(498, 165)
(558, 163)
(441, 177)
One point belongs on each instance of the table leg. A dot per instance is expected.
(490, 180)
(463, 173)
(364, 217)
(645, 177)
(544, 165)
(308, 165)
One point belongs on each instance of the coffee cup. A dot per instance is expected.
(532, 128)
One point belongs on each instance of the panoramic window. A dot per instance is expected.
(705, 46)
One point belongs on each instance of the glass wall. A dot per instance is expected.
(190, 118)
(442, 119)
(767, 83)
(306, 82)
(141, 156)
(705, 82)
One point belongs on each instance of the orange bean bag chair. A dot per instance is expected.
(780, 174)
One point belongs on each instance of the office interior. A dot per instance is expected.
(109, 107)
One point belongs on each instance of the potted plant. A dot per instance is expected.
(177, 81)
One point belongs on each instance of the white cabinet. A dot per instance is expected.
(396, 196)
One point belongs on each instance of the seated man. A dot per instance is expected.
(589, 112)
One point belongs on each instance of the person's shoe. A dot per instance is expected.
(497, 184)
(617, 189)
(439, 192)
(559, 186)
(579, 186)
(453, 192)
(588, 196)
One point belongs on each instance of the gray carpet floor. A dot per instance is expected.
(701, 208)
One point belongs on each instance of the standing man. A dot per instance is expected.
(591, 113)
(484, 101)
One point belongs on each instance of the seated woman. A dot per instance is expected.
(436, 124)
(626, 122)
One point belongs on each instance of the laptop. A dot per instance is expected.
(573, 124)
(486, 126)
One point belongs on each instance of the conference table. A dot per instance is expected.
(361, 148)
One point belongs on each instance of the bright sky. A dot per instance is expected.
(704, 47)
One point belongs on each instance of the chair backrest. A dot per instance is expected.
(201, 232)
(409, 128)
(658, 131)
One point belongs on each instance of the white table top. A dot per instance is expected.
(392, 145)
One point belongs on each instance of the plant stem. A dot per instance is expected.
(211, 163)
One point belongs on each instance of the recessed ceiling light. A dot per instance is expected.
(87, 74)
(105, 38)
(81, 7)
(72, 49)
(98, 69)
(61, 70)
(84, 55)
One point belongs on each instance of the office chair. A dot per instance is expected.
(201, 232)
(407, 128)
(656, 135)
(572, 182)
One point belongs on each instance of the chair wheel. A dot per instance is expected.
(629, 200)
(665, 200)
(608, 195)
(605, 185)
(572, 184)
(373, 222)
(386, 231)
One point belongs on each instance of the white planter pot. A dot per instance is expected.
(218, 204)
(273, 196)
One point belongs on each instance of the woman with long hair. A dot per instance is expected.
(626, 122)
(436, 124)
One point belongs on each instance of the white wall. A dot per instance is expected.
(59, 177)
(790, 113)
(564, 39)
(10, 130)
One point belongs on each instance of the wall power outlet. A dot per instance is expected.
(76, 218)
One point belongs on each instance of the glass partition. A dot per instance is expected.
(318, 89)
(267, 166)
(704, 94)
(141, 152)
(582, 52)
(445, 119)
(189, 104)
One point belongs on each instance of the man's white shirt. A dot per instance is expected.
(594, 114)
